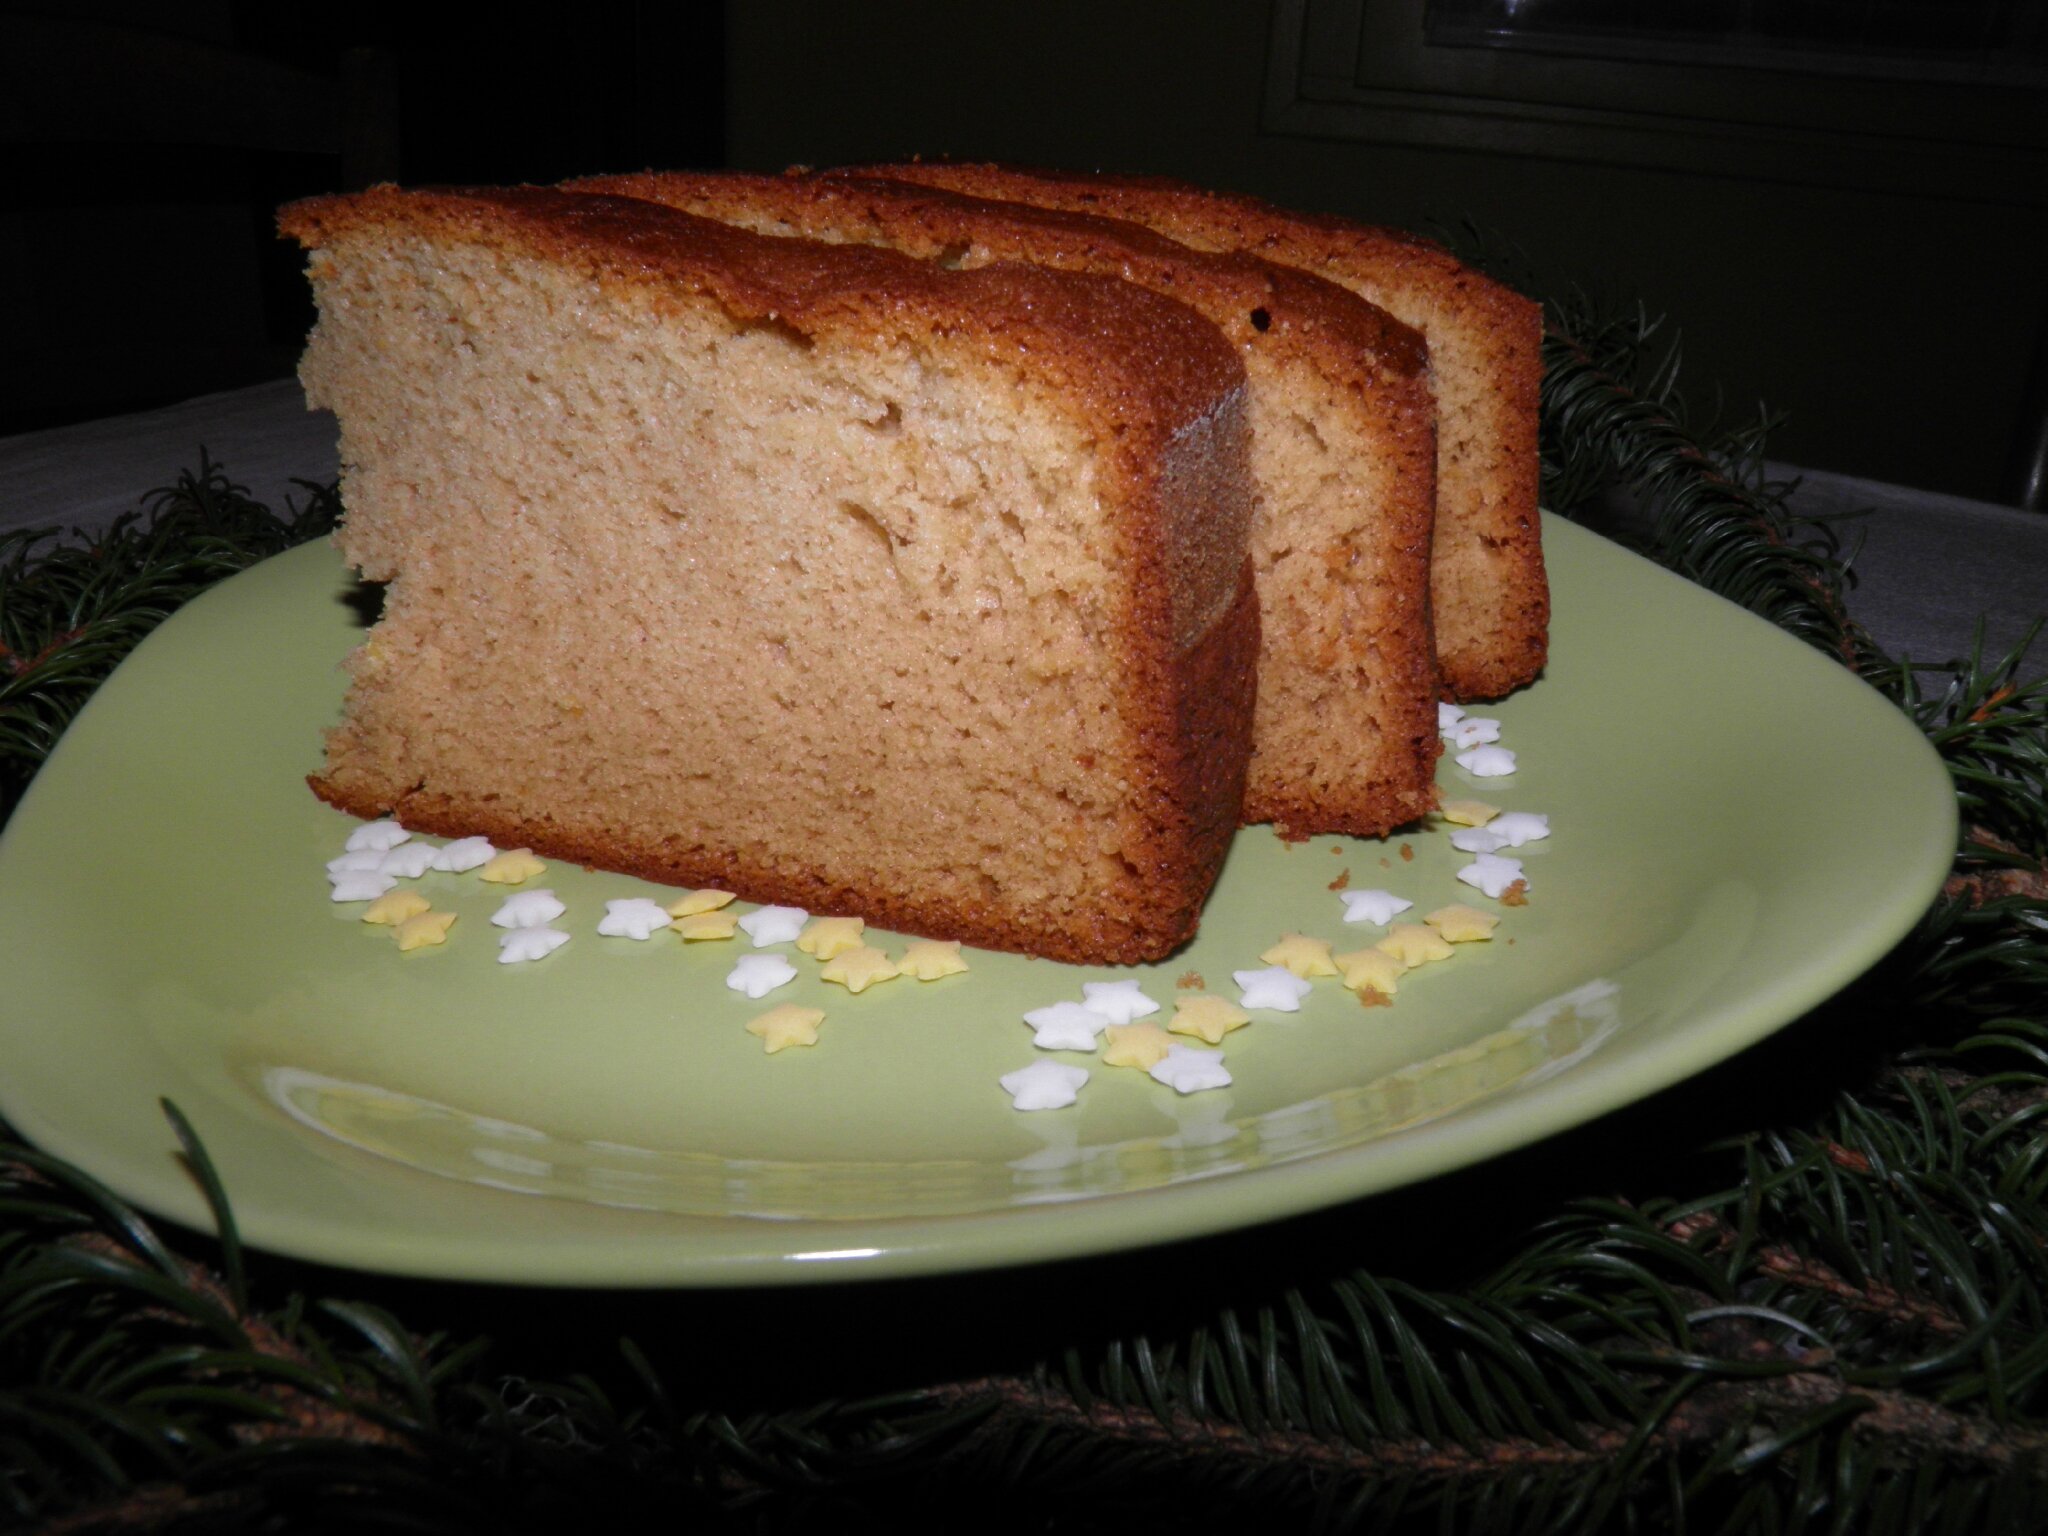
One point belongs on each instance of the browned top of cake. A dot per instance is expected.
(1316, 311)
(1239, 219)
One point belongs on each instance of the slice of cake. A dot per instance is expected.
(812, 572)
(1492, 603)
(1342, 458)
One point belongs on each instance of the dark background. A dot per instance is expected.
(1840, 202)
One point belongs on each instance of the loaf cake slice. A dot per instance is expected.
(1342, 459)
(1491, 600)
(814, 572)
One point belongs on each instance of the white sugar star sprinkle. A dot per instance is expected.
(1065, 1027)
(1474, 731)
(1519, 827)
(381, 835)
(1487, 762)
(359, 885)
(409, 861)
(535, 943)
(1044, 1085)
(355, 863)
(633, 917)
(1447, 716)
(1372, 906)
(1492, 874)
(1275, 987)
(1117, 1001)
(528, 909)
(774, 925)
(1185, 1069)
(464, 854)
(1477, 840)
(758, 975)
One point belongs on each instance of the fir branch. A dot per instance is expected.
(70, 611)
(1612, 414)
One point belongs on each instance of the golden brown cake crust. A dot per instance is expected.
(1150, 379)
(1380, 655)
(1492, 598)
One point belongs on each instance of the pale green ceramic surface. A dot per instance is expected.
(1740, 828)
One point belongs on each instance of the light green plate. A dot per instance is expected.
(1739, 829)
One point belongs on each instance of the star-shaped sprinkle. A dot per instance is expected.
(1135, 1045)
(512, 867)
(1415, 944)
(523, 944)
(409, 861)
(1371, 970)
(829, 936)
(1065, 1027)
(1117, 1001)
(423, 929)
(1468, 813)
(1473, 731)
(632, 917)
(1044, 1085)
(1492, 873)
(930, 959)
(773, 925)
(528, 909)
(1447, 716)
(697, 926)
(859, 968)
(359, 885)
(361, 861)
(1520, 827)
(786, 1026)
(1477, 840)
(1207, 1017)
(380, 835)
(1275, 987)
(758, 975)
(464, 854)
(1380, 907)
(692, 902)
(1185, 1069)
(1487, 762)
(1302, 955)
(1461, 924)
(394, 907)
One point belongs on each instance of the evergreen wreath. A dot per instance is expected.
(1818, 1303)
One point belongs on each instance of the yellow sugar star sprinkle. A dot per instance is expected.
(1371, 970)
(1135, 1045)
(1304, 956)
(829, 936)
(1468, 813)
(860, 968)
(424, 928)
(692, 902)
(1413, 944)
(1460, 924)
(1207, 1017)
(787, 1025)
(515, 866)
(707, 925)
(929, 959)
(394, 907)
